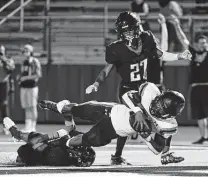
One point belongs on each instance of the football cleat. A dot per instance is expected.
(200, 141)
(170, 158)
(46, 104)
(118, 161)
(10, 125)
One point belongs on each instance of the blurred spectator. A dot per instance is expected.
(141, 7)
(199, 80)
(6, 85)
(28, 79)
(168, 8)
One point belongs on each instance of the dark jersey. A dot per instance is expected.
(29, 68)
(130, 66)
(199, 65)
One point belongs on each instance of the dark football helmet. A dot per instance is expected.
(81, 156)
(168, 104)
(128, 28)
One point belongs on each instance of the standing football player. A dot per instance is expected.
(129, 57)
(157, 109)
(30, 74)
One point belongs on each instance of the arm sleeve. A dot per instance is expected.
(110, 55)
(131, 100)
(151, 45)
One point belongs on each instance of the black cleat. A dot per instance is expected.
(46, 104)
(200, 141)
(118, 161)
(169, 158)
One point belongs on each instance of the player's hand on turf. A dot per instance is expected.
(161, 19)
(186, 55)
(92, 88)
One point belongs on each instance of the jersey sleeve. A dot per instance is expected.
(152, 48)
(131, 99)
(110, 55)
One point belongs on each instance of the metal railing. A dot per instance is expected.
(20, 8)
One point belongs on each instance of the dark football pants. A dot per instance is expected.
(92, 110)
(102, 132)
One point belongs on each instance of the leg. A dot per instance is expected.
(28, 98)
(168, 157)
(117, 159)
(91, 110)
(99, 135)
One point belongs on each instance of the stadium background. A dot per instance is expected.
(69, 39)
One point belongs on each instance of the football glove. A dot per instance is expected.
(91, 88)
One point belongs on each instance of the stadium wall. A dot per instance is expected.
(70, 81)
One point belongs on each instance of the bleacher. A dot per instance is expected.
(79, 37)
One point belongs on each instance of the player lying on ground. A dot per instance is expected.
(48, 149)
(148, 107)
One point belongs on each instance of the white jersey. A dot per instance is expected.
(120, 116)
(147, 93)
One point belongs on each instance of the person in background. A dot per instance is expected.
(142, 8)
(168, 8)
(155, 67)
(6, 83)
(199, 80)
(31, 72)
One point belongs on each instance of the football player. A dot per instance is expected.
(129, 57)
(155, 109)
(47, 149)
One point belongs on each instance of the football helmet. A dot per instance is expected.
(128, 28)
(81, 156)
(168, 104)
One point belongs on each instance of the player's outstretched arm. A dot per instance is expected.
(100, 79)
(167, 56)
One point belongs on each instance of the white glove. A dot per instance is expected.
(91, 88)
(186, 55)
